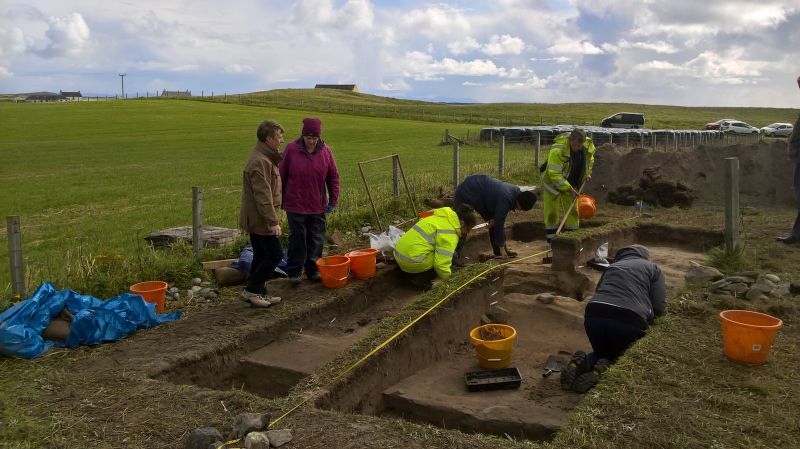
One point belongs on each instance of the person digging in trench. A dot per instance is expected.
(568, 166)
(630, 294)
(427, 250)
(794, 157)
(492, 199)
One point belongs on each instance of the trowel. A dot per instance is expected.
(552, 365)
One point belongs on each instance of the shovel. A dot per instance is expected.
(552, 365)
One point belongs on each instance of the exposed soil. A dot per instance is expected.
(765, 177)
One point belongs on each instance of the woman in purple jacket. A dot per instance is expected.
(310, 191)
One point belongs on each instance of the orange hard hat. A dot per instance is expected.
(586, 207)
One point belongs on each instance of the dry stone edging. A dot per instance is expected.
(201, 438)
(278, 438)
(700, 274)
(244, 423)
(256, 440)
(751, 286)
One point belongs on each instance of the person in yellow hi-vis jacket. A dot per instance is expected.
(426, 250)
(569, 165)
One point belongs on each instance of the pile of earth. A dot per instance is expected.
(654, 190)
(765, 176)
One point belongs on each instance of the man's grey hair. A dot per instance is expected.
(267, 128)
(577, 134)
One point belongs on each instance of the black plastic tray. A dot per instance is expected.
(495, 379)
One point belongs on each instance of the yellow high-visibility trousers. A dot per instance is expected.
(554, 208)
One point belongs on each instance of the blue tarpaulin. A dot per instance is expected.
(96, 321)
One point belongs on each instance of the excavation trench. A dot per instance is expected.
(420, 375)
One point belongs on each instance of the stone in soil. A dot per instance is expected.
(781, 291)
(746, 280)
(772, 278)
(718, 284)
(736, 288)
(201, 438)
(722, 296)
(196, 281)
(245, 423)
(546, 298)
(278, 438)
(764, 285)
(700, 274)
(753, 294)
(256, 440)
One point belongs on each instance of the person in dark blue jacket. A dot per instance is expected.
(630, 294)
(493, 199)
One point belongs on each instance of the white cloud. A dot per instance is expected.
(355, 14)
(558, 59)
(397, 85)
(470, 83)
(658, 66)
(658, 46)
(65, 36)
(239, 68)
(423, 66)
(505, 44)
(463, 46)
(572, 47)
(4, 72)
(533, 82)
(437, 21)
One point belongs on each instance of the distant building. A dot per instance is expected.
(350, 87)
(71, 95)
(44, 97)
(176, 93)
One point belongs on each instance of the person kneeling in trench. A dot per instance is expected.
(427, 249)
(630, 294)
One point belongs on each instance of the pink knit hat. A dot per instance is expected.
(312, 127)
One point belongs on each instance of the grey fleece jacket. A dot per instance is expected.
(635, 283)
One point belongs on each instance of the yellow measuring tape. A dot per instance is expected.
(393, 337)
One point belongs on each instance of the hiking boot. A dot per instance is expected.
(578, 364)
(296, 279)
(264, 301)
(589, 379)
(315, 276)
(246, 296)
(789, 239)
(511, 254)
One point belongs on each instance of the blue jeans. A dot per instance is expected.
(306, 238)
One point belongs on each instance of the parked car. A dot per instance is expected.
(624, 120)
(738, 128)
(778, 129)
(718, 123)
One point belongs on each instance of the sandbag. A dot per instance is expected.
(228, 276)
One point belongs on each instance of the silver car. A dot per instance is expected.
(738, 128)
(777, 130)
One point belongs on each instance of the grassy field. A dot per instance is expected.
(95, 178)
(505, 114)
(92, 179)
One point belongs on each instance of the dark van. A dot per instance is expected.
(624, 120)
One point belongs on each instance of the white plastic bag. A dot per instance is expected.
(602, 252)
(386, 241)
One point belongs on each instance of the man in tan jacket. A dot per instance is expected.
(260, 212)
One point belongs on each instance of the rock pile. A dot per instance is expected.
(249, 429)
(751, 285)
(201, 291)
(654, 190)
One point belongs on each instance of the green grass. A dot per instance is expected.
(505, 114)
(96, 177)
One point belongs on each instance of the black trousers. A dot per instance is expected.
(306, 238)
(611, 330)
(267, 254)
(796, 228)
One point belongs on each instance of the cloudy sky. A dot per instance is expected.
(683, 52)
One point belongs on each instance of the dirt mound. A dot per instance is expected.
(653, 189)
(765, 177)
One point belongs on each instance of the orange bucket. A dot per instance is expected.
(586, 207)
(493, 353)
(334, 270)
(747, 336)
(362, 262)
(151, 291)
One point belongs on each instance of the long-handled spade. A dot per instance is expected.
(549, 258)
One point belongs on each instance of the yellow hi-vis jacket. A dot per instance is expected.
(558, 166)
(431, 243)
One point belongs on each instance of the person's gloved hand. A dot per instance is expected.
(329, 209)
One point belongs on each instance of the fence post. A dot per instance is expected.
(456, 174)
(15, 261)
(676, 139)
(501, 158)
(197, 221)
(610, 138)
(627, 140)
(731, 203)
(538, 149)
(396, 175)
(654, 141)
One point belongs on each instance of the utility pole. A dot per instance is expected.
(122, 78)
